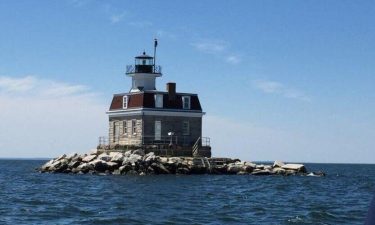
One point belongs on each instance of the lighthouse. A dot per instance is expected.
(164, 122)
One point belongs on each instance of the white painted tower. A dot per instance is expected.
(144, 72)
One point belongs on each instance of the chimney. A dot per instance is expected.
(171, 89)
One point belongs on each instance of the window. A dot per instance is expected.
(125, 126)
(185, 128)
(116, 131)
(125, 102)
(157, 130)
(158, 100)
(186, 102)
(134, 127)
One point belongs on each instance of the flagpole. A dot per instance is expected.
(155, 44)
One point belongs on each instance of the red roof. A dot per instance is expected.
(147, 100)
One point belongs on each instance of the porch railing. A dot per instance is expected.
(151, 140)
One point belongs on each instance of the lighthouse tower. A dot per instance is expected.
(143, 73)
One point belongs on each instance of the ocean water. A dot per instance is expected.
(29, 197)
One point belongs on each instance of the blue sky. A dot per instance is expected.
(289, 80)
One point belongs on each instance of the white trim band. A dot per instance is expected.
(140, 112)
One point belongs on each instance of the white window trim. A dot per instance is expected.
(125, 102)
(160, 96)
(183, 102)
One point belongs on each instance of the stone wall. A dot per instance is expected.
(175, 124)
(131, 137)
(168, 124)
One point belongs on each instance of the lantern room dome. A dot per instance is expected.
(144, 56)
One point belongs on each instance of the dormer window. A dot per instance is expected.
(125, 102)
(158, 101)
(186, 102)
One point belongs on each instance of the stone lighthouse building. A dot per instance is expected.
(165, 122)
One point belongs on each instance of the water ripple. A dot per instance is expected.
(27, 197)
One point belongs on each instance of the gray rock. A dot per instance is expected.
(47, 165)
(183, 170)
(89, 158)
(104, 157)
(279, 171)
(253, 165)
(74, 164)
(132, 159)
(124, 169)
(71, 156)
(85, 167)
(99, 165)
(150, 157)
(300, 168)
(112, 166)
(138, 152)
(268, 167)
(159, 168)
(234, 168)
(117, 157)
(127, 153)
(247, 169)
(60, 157)
(278, 163)
(261, 167)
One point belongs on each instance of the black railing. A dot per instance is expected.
(152, 140)
(143, 69)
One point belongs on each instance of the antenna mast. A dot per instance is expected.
(155, 45)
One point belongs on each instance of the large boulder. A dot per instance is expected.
(159, 168)
(138, 152)
(132, 159)
(84, 168)
(116, 157)
(74, 164)
(124, 169)
(278, 163)
(71, 156)
(59, 166)
(260, 167)
(163, 160)
(60, 157)
(99, 165)
(111, 166)
(253, 165)
(47, 165)
(127, 153)
(279, 171)
(104, 157)
(234, 168)
(300, 168)
(89, 158)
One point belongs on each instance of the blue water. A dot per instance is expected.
(28, 197)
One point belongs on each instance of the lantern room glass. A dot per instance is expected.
(145, 62)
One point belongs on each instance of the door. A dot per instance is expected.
(157, 130)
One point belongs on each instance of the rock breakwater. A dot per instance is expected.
(136, 162)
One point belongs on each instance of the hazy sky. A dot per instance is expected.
(288, 80)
